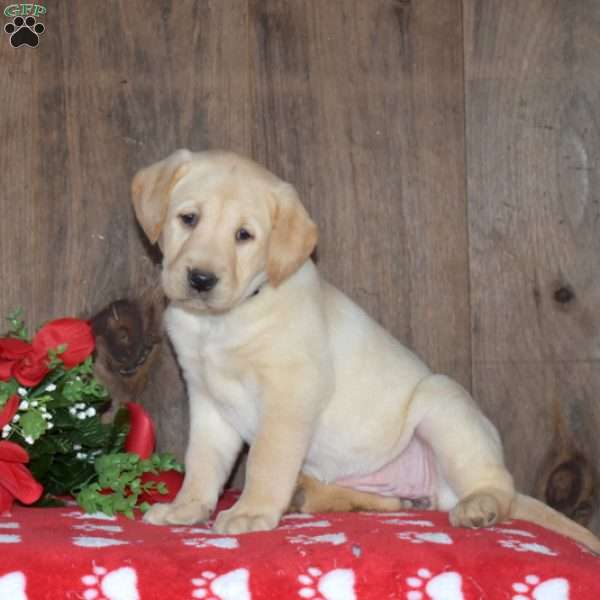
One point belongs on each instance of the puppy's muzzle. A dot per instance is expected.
(202, 281)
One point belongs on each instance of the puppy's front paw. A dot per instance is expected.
(181, 512)
(476, 510)
(156, 514)
(241, 520)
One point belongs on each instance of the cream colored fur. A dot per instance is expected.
(298, 371)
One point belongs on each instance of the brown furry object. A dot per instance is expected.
(128, 336)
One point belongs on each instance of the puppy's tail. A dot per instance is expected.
(530, 509)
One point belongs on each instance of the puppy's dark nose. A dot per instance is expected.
(202, 281)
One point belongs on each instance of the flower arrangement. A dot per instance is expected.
(50, 419)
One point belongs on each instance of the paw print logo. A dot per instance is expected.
(24, 32)
(445, 586)
(333, 585)
(229, 586)
(533, 587)
(120, 584)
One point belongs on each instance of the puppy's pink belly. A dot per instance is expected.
(411, 475)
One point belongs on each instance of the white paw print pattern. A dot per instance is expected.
(337, 584)
(229, 586)
(413, 522)
(12, 585)
(10, 538)
(118, 584)
(224, 543)
(520, 546)
(507, 531)
(85, 541)
(335, 539)
(444, 586)
(533, 587)
(306, 525)
(420, 537)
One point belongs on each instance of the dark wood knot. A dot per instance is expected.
(570, 488)
(564, 294)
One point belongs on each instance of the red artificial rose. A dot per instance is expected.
(16, 482)
(13, 348)
(21, 360)
(5, 369)
(12, 351)
(28, 363)
(75, 334)
(31, 369)
(140, 439)
(10, 409)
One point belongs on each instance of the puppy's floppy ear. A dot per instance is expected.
(151, 188)
(293, 235)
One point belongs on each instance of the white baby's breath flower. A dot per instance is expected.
(80, 455)
(50, 425)
(72, 410)
(5, 434)
(24, 405)
(16, 419)
(81, 416)
(6, 428)
(80, 406)
(47, 416)
(29, 439)
(22, 391)
(76, 446)
(91, 412)
(50, 387)
(35, 404)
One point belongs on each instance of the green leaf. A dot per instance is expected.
(33, 424)
(67, 474)
(7, 389)
(16, 325)
(120, 430)
(40, 466)
(92, 433)
(119, 483)
(54, 360)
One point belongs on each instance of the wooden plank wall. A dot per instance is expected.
(533, 154)
(386, 115)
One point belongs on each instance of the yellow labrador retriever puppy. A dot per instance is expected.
(275, 356)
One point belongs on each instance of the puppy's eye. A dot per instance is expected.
(243, 235)
(189, 219)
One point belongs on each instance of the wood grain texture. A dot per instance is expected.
(111, 87)
(360, 105)
(533, 155)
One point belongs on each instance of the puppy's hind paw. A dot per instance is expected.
(477, 510)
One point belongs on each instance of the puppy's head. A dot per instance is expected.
(225, 226)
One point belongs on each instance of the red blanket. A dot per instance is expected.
(51, 554)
